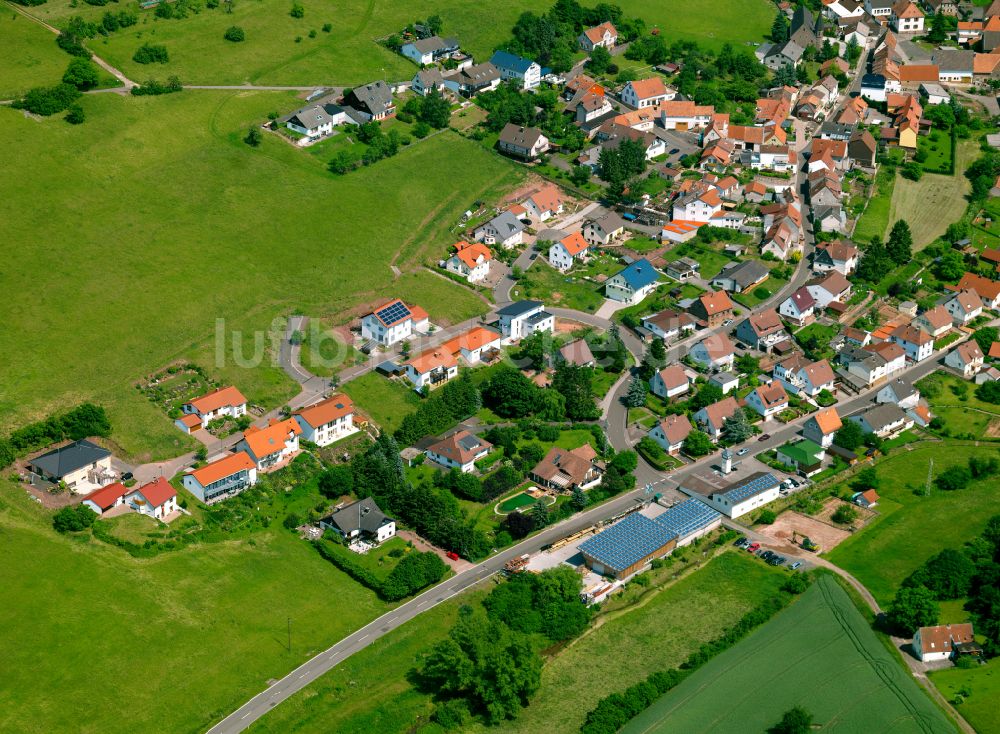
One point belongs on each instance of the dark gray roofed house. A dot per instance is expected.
(373, 100)
(472, 80)
(738, 277)
(66, 460)
(522, 142)
(362, 519)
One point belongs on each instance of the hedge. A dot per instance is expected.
(416, 571)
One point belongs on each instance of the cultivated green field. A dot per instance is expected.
(900, 538)
(153, 221)
(167, 644)
(819, 654)
(31, 57)
(979, 705)
(663, 630)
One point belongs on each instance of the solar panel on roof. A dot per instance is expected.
(751, 488)
(627, 542)
(393, 312)
(688, 517)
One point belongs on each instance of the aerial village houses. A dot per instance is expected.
(715, 352)
(768, 399)
(967, 358)
(633, 283)
(837, 255)
(603, 230)
(900, 393)
(712, 308)
(82, 466)
(431, 368)
(565, 253)
(106, 498)
(669, 382)
(944, 642)
(156, 499)
(800, 376)
(737, 498)
(327, 421)
(577, 352)
(505, 230)
(822, 426)
(460, 450)
(373, 101)
(270, 447)
(476, 345)
(360, 521)
(429, 50)
(393, 322)
(224, 478)
(517, 68)
(470, 261)
(524, 318)
(711, 417)
(761, 330)
(883, 420)
(642, 93)
(605, 35)
(963, 307)
(917, 344)
(669, 325)
(565, 470)
(315, 121)
(544, 203)
(670, 432)
(522, 142)
(800, 307)
(225, 402)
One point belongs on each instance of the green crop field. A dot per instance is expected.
(710, 24)
(163, 229)
(980, 689)
(172, 643)
(819, 654)
(900, 539)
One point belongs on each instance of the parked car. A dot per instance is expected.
(127, 476)
(768, 555)
(740, 541)
(743, 451)
(764, 437)
(753, 547)
(452, 555)
(795, 565)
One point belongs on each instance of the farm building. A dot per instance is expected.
(944, 641)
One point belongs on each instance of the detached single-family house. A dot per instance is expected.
(106, 498)
(316, 120)
(632, 283)
(987, 290)
(883, 420)
(470, 261)
(714, 352)
(712, 417)
(907, 17)
(943, 642)
(642, 93)
(545, 203)
(605, 35)
(712, 308)
(937, 321)
(327, 421)
(802, 377)
(505, 230)
(225, 402)
(963, 307)
(577, 352)
(670, 432)
(768, 399)
(156, 499)
(800, 307)
(604, 230)
(224, 478)
(511, 66)
(725, 381)
(426, 81)
(431, 368)
(669, 382)
(428, 50)
(373, 101)
(916, 343)
(899, 392)
(361, 520)
(392, 322)
(475, 345)
(460, 450)
(565, 470)
(669, 325)
(805, 456)
(471, 80)
(831, 288)
(740, 277)
(867, 499)
(761, 330)
(683, 268)
(571, 249)
(272, 445)
(967, 358)
(838, 256)
(524, 318)
(522, 142)
(82, 466)
(822, 426)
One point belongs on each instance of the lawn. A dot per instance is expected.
(31, 57)
(755, 296)
(983, 684)
(325, 353)
(660, 631)
(710, 24)
(188, 634)
(937, 145)
(819, 654)
(901, 537)
(710, 259)
(578, 290)
(933, 202)
(969, 416)
(387, 401)
(167, 238)
(875, 220)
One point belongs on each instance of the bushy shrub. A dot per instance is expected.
(47, 101)
(149, 53)
(73, 519)
(235, 34)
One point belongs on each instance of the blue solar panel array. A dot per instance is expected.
(393, 312)
(688, 517)
(749, 489)
(627, 542)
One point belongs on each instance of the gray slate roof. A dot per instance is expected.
(363, 515)
(67, 459)
(376, 97)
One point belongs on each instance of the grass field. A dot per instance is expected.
(668, 625)
(980, 708)
(31, 57)
(971, 415)
(387, 401)
(160, 221)
(901, 537)
(875, 221)
(710, 24)
(937, 144)
(185, 637)
(819, 654)
(545, 283)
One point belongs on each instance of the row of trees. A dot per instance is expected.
(82, 421)
(880, 258)
(454, 402)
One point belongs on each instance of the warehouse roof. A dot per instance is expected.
(688, 517)
(627, 542)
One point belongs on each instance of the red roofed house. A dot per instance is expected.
(471, 261)
(713, 308)
(392, 322)
(768, 399)
(711, 417)
(461, 450)
(564, 254)
(224, 478)
(431, 368)
(646, 93)
(987, 290)
(964, 306)
(670, 432)
(270, 446)
(669, 382)
(474, 345)
(605, 35)
(917, 343)
(867, 499)
(327, 421)
(107, 497)
(156, 499)
(907, 17)
(715, 352)
(222, 403)
(942, 641)
(822, 426)
(799, 307)
(545, 203)
(967, 358)
(565, 470)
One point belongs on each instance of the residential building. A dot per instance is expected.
(768, 399)
(272, 445)
(712, 417)
(504, 230)
(907, 17)
(712, 308)
(669, 382)
(327, 421)
(683, 268)
(788, 53)
(741, 277)
(522, 142)
(373, 101)
(459, 450)
(605, 35)
(943, 641)
(963, 307)
(517, 68)
(577, 352)
(725, 381)
(632, 283)
(800, 307)
(428, 80)
(669, 325)
(523, 318)
(224, 402)
(471, 80)
(967, 358)
(803, 377)
(883, 420)
(670, 432)
(603, 230)
(715, 352)
(862, 149)
(470, 261)
(685, 115)
(761, 330)
(916, 343)
(315, 121)
(82, 466)
(955, 65)
(223, 478)
(822, 426)
(805, 456)
(425, 51)
(830, 288)
(899, 392)
(642, 93)
(564, 470)
(544, 203)
(362, 520)
(987, 290)
(867, 499)
(937, 321)
(156, 499)
(476, 345)
(393, 322)
(431, 368)
(698, 206)
(106, 498)
(571, 249)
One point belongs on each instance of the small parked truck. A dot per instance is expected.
(516, 565)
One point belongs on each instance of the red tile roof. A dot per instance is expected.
(218, 399)
(156, 493)
(106, 497)
(223, 468)
(334, 407)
